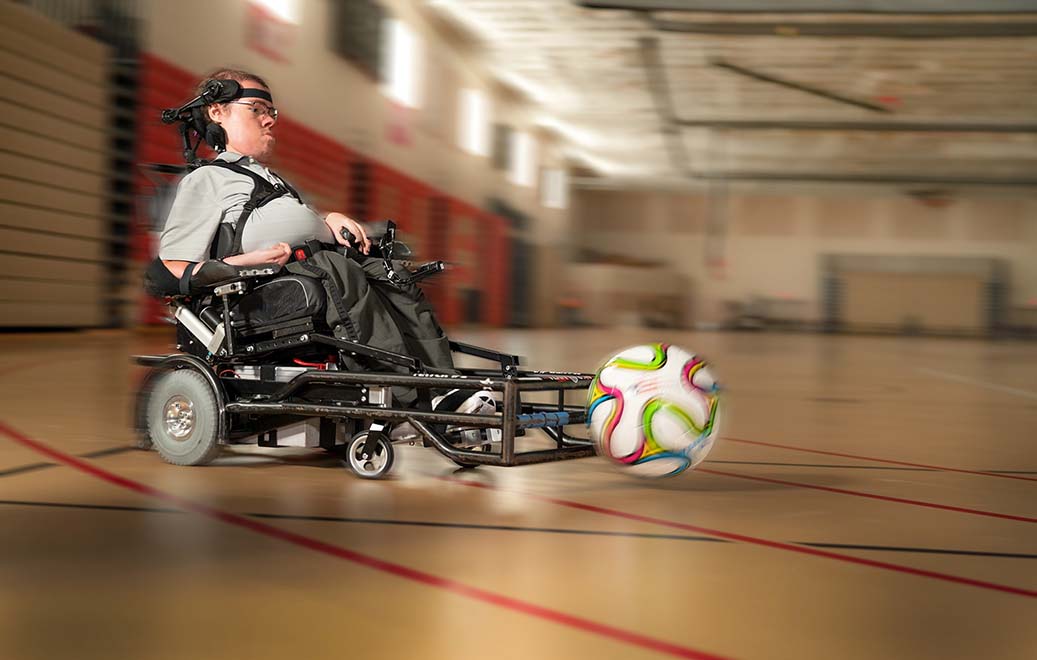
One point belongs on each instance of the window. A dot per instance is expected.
(473, 130)
(554, 189)
(522, 170)
(286, 10)
(270, 27)
(401, 73)
(357, 34)
(502, 142)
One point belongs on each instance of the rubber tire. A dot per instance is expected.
(202, 445)
(359, 466)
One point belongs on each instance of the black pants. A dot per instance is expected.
(365, 307)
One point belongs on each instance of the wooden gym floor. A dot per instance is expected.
(871, 497)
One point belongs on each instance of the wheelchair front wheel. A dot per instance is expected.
(183, 418)
(370, 455)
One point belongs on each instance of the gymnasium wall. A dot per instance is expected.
(770, 244)
(54, 189)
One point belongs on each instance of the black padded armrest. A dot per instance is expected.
(159, 282)
(212, 274)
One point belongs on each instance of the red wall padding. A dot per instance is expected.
(161, 86)
(319, 167)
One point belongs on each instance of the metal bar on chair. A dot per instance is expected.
(511, 401)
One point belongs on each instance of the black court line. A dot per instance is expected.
(854, 467)
(931, 551)
(118, 450)
(33, 467)
(514, 528)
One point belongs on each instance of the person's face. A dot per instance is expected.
(249, 129)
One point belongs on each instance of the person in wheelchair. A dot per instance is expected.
(366, 303)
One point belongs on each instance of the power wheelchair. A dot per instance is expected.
(258, 364)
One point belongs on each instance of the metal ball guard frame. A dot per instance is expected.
(362, 405)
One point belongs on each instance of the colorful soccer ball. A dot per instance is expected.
(652, 410)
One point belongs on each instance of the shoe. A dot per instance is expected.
(482, 402)
(477, 403)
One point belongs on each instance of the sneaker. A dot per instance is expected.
(477, 403)
(482, 402)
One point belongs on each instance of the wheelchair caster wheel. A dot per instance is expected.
(369, 455)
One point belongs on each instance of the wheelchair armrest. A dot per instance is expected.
(161, 283)
(213, 274)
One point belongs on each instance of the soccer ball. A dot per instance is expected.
(652, 409)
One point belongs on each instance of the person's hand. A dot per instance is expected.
(278, 253)
(339, 221)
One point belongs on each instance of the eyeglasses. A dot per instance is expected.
(259, 109)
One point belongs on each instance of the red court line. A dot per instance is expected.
(885, 498)
(742, 538)
(942, 468)
(398, 570)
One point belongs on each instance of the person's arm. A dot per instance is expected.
(279, 253)
(191, 223)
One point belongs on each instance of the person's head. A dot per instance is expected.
(249, 120)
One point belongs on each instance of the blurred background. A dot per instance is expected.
(830, 166)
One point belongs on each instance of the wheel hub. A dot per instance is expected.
(179, 416)
(371, 462)
(368, 462)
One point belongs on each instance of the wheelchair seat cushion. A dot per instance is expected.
(279, 300)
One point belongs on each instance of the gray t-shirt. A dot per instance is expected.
(211, 195)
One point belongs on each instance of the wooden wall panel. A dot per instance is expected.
(48, 170)
(36, 122)
(89, 69)
(43, 75)
(51, 102)
(54, 270)
(30, 241)
(36, 28)
(39, 195)
(49, 292)
(48, 314)
(54, 197)
(56, 150)
(55, 222)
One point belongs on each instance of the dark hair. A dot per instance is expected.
(227, 74)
